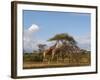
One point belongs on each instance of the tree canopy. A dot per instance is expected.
(63, 37)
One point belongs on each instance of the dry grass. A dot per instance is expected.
(82, 60)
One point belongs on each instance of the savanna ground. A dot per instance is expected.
(35, 60)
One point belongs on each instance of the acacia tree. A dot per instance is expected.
(69, 45)
(68, 42)
(64, 38)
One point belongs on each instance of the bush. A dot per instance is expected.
(36, 57)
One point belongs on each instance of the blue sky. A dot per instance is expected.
(51, 23)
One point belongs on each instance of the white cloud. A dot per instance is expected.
(33, 28)
(29, 38)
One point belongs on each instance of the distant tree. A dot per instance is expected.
(34, 51)
(41, 47)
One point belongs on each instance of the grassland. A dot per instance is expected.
(35, 60)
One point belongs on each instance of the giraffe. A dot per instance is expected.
(75, 52)
(66, 50)
(59, 50)
(49, 51)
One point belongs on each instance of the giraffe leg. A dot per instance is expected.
(44, 54)
(53, 53)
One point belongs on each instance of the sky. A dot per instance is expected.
(39, 26)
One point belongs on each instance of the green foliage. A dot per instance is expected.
(63, 37)
(36, 58)
(26, 56)
(32, 57)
